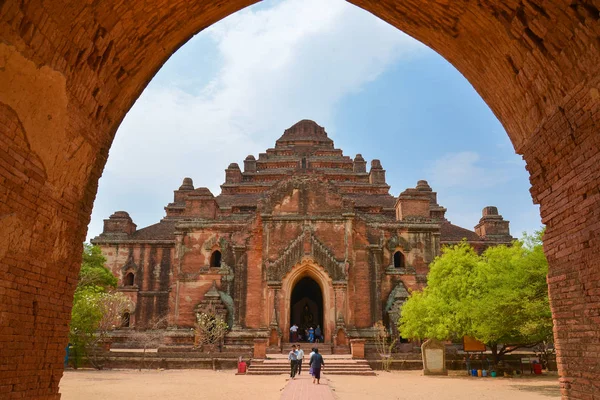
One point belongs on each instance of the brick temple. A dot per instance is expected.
(304, 235)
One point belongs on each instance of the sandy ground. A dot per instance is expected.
(414, 386)
(203, 384)
(170, 384)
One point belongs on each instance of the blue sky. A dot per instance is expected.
(233, 89)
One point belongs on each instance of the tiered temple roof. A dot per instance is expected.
(305, 150)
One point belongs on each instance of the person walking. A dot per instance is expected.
(293, 359)
(294, 333)
(316, 363)
(318, 334)
(310, 371)
(300, 358)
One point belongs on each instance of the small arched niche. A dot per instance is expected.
(125, 319)
(399, 261)
(215, 259)
(129, 279)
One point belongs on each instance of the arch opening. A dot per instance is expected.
(125, 320)
(398, 260)
(129, 279)
(306, 309)
(215, 259)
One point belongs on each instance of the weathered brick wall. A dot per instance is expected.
(197, 250)
(359, 280)
(564, 163)
(152, 269)
(188, 296)
(254, 291)
(70, 71)
(36, 273)
(277, 236)
(118, 256)
(156, 269)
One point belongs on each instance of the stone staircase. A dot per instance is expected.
(324, 348)
(335, 364)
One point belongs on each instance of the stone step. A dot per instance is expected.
(334, 365)
(340, 350)
(328, 372)
(254, 366)
(330, 359)
(327, 357)
(324, 348)
(284, 366)
(323, 352)
(305, 362)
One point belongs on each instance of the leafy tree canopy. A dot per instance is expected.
(97, 308)
(500, 297)
(93, 272)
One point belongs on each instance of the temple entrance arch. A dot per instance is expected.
(306, 306)
(308, 283)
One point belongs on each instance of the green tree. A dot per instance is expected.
(499, 298)
(97, 308)
(85, 317)
(93, 272)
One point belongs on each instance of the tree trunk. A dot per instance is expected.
(495, 356)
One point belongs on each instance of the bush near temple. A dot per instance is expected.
(210, 329)
(384, 343)
(150, 338)
(97, 308)
(499, 298)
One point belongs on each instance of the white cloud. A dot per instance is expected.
(294, 60)
(469, 182)
(465, 170)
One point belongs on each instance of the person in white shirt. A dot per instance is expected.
(300, 356)
(294, 333)
(293, 359)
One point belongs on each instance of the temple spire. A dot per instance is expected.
(304, 131)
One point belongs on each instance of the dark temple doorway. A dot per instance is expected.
(306, 308)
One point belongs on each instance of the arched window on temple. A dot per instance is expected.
(215, 259)
(129, 279)
(398, 260)
(303, 162)
(125, 320)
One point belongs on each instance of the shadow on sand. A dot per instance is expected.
(545, 390)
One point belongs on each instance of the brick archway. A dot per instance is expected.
(69, 71)
(308, 268)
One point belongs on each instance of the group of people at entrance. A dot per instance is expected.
(308, 335)
(315, 362)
